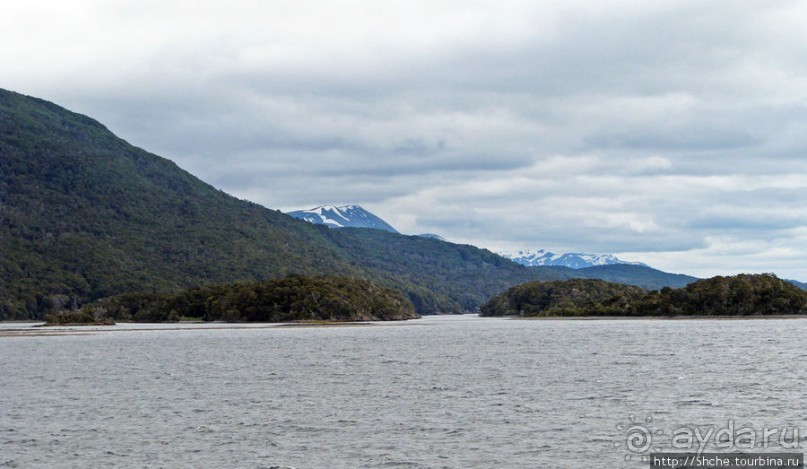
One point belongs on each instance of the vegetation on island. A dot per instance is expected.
(740, 295)
(84, 318)
(293, 298)
(577, 297)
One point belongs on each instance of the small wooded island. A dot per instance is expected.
(740, 295)
(292, 298)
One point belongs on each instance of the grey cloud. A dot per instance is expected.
(735, 225)
(696, 139)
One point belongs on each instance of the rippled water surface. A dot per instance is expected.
(436, 392)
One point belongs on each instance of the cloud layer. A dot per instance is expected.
(672, 132)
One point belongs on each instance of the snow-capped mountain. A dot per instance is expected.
(346, 216)
(574, 260)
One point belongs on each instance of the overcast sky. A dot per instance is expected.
(669, 132)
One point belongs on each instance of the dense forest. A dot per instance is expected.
(577, 297)
(86, 215)
(740, 295)
(292, 298)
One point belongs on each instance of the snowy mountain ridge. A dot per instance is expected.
(344, 216)
(574, 260)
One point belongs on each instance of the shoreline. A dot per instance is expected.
(658, 318)
(39, 329)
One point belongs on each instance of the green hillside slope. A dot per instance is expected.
(86, 215)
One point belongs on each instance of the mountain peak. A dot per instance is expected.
(342, 216)
(574, 260)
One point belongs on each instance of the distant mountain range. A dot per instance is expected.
(573, 260)
(355, 216)
(345, 216)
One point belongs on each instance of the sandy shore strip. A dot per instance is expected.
(662, 318)
(11, 329)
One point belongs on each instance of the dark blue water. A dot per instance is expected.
(437, 392)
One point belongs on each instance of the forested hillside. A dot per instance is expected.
(86, 215)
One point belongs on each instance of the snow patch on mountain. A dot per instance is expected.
(344, 216)
(574, 260)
